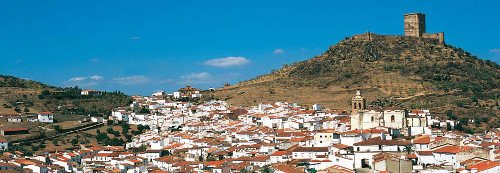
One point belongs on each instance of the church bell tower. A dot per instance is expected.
(358, 103)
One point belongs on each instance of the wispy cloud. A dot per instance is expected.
(135, 38)
(227, 62)
(495, 55)
(197, 78)
(96, 77)
(132, 80)
(202, 75)
(278, 51)
(95, 60)
(18, 62)
(495, 52)
(84, 81)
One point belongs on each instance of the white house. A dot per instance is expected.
(310, 152)
(14, 119)
(150, 155)
(365, 150)
(46, 117)
(4, 144)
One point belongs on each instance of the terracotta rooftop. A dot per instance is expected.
(311, 149)
(451, 149)
(380, 141)
(482, 166)
(422, 140)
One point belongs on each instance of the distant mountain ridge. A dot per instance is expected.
(409, 71)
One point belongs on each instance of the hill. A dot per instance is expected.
(389, 70)
(26, 96)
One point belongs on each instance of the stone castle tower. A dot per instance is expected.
(414, 26)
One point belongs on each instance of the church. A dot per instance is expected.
(371, 117)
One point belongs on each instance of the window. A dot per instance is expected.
(393, 119)
(373, 119)
(359, 106)
(355, 106)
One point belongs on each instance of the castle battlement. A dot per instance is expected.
(414, 26)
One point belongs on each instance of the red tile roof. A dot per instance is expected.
(451, 149)
(15, 129)
(485, 165)
(311, 149)
(422, 140)
(279, 153)
(380, 141)
(425, 153)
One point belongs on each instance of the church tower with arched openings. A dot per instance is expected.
(358, 105)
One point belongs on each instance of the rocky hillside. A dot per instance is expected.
(19, 96)
(389, 70)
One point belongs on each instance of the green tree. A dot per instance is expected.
(125, 128)
(55, 142)
(144, 110)
(48, 161)
(101, 137)
(57, 128)
(408, 149)
(266, 169)
(17, 109)
(74, 141)
(143, 148)
(110, 130)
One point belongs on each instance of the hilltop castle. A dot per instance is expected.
(414, 26)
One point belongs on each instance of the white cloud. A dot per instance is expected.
(135, 38)
(84, 81)
(76, 79)
(227, 61)
(278, 51)
(197, 78)
(495, 51)
(95, 61)
(202, 75)
(96, 77)
(132, 80)
(18, 62)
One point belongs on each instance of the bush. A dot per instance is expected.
(17, 109)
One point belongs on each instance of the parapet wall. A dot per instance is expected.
(438, 36)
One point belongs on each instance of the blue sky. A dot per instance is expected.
(143, 46)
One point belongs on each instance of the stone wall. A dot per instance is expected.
(437, 36)
(414, 24)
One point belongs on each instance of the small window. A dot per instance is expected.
(393, 119)
(373, 119)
